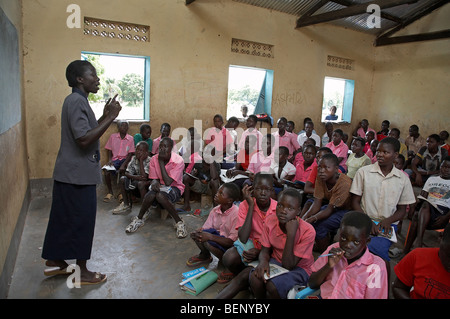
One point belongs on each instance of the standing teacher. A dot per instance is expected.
(70, 229)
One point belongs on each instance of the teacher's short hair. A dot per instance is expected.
(76, 69)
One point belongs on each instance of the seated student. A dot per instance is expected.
(282, 169)
(351, 272)
(290, 126)
(333, 187)
(166, 172)
(253, 211)
(120, 148)
(284, 138)
(304, 168)
(435, 210)
(362, 129)
(372, 151)
(299, 156)
(444, 137)
(427, 161)
(219, 231)
(165, 132)
(414, 141)
(243, 161)
(357, 158)
(145, 132)
(251, 122)
(384, 132)
(231, 126)
(192, 153)
(204, 178)
(339, 148)
(287, 241)
(262, 160)
(309, 128)
(135, 175)
(305, 120)
(370, 136)
(399, 163)
(220, 138)
(382, 192)
(395, 133)
(424, 273)
(326, 137)
(186, 142)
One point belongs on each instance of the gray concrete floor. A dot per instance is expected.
(146, 264)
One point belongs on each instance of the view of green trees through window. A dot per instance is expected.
(122, 75)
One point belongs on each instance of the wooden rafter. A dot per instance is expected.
(352, 10)
(413, 38)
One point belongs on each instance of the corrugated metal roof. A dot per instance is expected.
(358, 22)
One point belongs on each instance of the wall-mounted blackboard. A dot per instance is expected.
(10, 84)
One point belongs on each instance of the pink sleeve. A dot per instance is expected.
(108, 145)
(153, 166)
(243, 209)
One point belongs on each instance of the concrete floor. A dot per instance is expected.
(146, 264)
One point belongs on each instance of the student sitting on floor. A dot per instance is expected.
(220, 138)
(284, 138)
(204, 178)
(351, 271)
(145, 132)
(243, 161)
(165, 132)
(427, 161)
(334, 187)
(304, 168)
(339, 148)
(120, 148)
(166, 172)
(424, 273)
(282, 169)
(253, 211)
(287, 241)
(435, 210)
(382, 192)
(133, 183)
(357, 158)
(372, 151)
(251, 122)
(219, 231)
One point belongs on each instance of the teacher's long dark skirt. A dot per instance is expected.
(70, 229)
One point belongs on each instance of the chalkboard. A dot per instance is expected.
(10, 83)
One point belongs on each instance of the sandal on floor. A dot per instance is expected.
(225, 277)
(195, 261)
(108, 198)
(99, 278)
(53, 271)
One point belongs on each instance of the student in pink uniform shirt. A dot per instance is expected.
(339, 148)
(351, 271)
